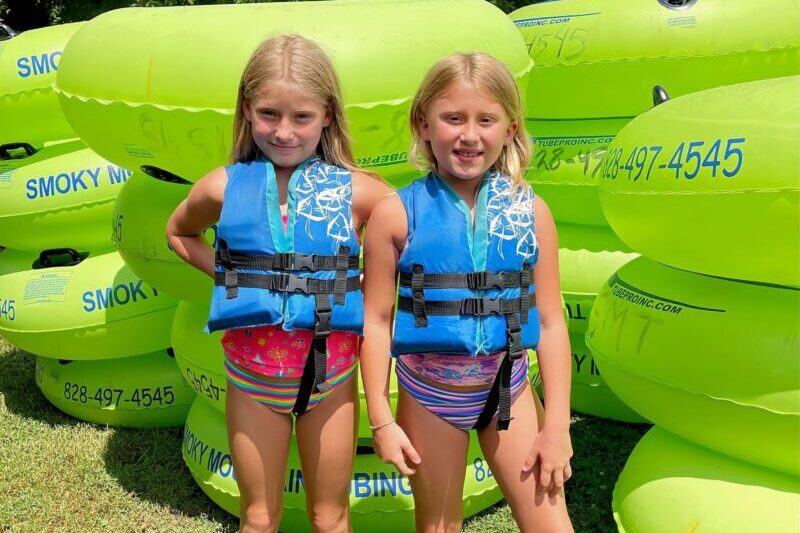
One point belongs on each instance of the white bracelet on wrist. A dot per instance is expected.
(379, 426)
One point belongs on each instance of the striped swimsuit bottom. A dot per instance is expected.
(281, 394)
(460, 408)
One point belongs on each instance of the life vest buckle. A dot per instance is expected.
(514, 336)
(303, 261)
(476, 280)
(480, 306)
(292, 283)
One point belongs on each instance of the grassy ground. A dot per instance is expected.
(58, 474)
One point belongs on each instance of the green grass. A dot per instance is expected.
(58, 474)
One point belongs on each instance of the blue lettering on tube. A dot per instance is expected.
(41, 64)
(387, 484)
(30, 185)
(361, 484)
(405, 489)
(88, 302)
(126, 294)
(24, 67)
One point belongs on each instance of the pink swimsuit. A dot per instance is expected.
(270, 351)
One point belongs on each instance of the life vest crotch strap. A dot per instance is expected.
(515, 311)
(314, 373)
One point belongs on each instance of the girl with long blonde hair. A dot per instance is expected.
(286, 273)
(478, 288)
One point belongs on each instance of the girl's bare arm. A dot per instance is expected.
(197, 212)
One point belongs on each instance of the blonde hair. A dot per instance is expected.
(481, 71)
(300, 61)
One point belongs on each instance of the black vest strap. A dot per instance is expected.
(342, 264)
(314, 378)
(232, 279)
(467, 306)
(418, 297)
(286, 261)
(499, 398)
(470, 280)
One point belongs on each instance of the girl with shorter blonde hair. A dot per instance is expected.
(287, 290)
(478, 288)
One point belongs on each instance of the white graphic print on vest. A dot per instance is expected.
(332, 204)
(510, 215)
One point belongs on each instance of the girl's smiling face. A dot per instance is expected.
(286, 123)
(467, 129)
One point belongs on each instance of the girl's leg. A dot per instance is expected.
(326, 437)
(438, 484)
(506, 452)
(259, 443)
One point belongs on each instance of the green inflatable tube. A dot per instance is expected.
(710, 182)
(142, 391)
(670, 485)
(380, 498)
(168, 100)
(29, 107)
(583, 272)
(712, 360)
(15, 260)
(61, 197)
(96, 309)
(139, 221)
(597, 63)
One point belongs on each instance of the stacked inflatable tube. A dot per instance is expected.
(716, 177)
(168, 101)
(96, 309)
(380, 498)
(597, 63)
(29, 107)
(712, 360)
(670, 484)
(141, 391)
(60, 197)
(587, 256)
(15, 260)
(140, 216)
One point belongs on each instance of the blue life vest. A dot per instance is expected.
(308, 277)
(441, 240)
(466, 290)
(319, 224)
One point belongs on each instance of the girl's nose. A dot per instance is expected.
(469, 133)
(283, 131)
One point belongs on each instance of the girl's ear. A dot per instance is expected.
(510, 132)
(246, 109)
(328, 118)
(424, 129)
